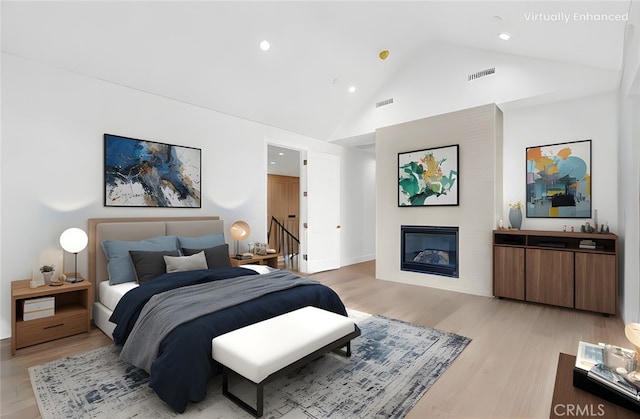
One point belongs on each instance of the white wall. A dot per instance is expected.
(434, 82)
(629, 171)
(593, 117)
(52, 163)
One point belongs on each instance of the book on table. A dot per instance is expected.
(613, 383)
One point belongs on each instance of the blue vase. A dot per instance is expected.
(515, 218)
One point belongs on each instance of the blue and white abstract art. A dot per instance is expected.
(140, 173)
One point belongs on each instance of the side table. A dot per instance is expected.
(570, 401)
(270, 260)
(72, 312)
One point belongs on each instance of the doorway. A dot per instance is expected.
(283, 204)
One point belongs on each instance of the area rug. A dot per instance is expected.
(393, 363)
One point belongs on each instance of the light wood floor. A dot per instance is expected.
(508, 369)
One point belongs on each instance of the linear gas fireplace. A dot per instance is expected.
(429, 249)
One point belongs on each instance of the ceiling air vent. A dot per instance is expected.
(482, 73)
(384, 102)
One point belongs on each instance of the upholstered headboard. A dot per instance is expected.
(133, 229)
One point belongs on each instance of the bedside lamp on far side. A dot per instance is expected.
(74, 240)
(239, 230)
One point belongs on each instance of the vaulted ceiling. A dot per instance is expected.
(206, 53)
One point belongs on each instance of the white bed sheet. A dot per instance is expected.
(111, 294)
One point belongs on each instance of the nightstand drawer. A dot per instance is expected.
(45, 329)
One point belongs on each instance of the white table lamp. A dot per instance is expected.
(74, 240)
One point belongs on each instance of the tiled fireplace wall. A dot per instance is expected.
(478, 131)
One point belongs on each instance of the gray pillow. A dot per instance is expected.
(185, 263)
(149, 265)
(217, 257)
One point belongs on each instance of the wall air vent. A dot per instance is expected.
(384, 102)
(482, 73)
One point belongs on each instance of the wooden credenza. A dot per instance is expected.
(549, 267)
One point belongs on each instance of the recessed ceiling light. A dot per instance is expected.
(352, 89)
(264, 45)
(281, 154)
(272, 162)
(505, 36)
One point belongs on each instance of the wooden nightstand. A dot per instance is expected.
(72, 312)
(270, 259)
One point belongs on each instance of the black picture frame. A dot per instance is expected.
(558, 180)
(429, 177)
(141, 173)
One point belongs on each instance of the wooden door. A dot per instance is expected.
(549, 277)
(596, 282)
(508, 272)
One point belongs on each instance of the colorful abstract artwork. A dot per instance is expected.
(140, 173)
(559, 180)
(428, 177)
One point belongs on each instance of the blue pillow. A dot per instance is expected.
(202, 242)
(120, 266)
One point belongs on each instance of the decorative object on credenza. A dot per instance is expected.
(558, 180)
(515, 215)
(587, 228)
(239, 230)
(140, 173)
(428, 177)
(74, 240)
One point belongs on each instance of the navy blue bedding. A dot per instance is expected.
(181, 371)
(129, 307)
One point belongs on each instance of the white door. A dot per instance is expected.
(323, 212)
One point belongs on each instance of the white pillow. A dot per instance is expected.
(186, 263)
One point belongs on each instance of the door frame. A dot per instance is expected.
(302, 263)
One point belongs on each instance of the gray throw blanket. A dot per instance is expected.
(166, 311)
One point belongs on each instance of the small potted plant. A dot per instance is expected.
(47, 272)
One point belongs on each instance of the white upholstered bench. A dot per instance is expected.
(276, 346)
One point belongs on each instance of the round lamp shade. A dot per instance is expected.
(240, 230)
(73, 240)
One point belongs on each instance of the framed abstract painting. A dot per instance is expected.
(558, 180)
(139, 173)
(428, 177)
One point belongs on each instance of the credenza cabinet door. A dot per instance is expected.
(596, 288)
(549, 276)
(508, 271)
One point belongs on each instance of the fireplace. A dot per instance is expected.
(430, 250)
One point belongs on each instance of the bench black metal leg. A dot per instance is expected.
(258, 411)
(337, 346)
(346, 351)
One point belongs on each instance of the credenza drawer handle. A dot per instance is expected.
(55, 325)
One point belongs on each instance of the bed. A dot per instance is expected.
(178, 358)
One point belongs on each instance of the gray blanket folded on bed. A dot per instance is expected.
(167, 310)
